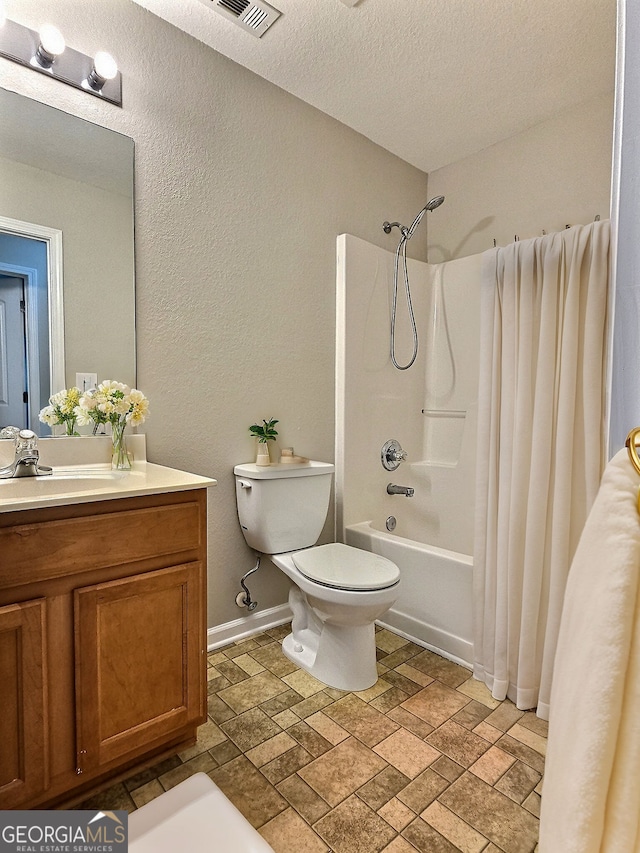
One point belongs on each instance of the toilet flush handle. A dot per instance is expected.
(244, 484)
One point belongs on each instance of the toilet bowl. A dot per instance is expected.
(338, 591)
(194, 816)
(332, 631)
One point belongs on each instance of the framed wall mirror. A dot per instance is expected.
(67, 291)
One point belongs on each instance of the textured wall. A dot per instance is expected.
(241, 190)
(554, 174)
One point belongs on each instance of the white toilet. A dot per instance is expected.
(338, 591)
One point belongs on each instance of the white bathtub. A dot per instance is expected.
(434, 606)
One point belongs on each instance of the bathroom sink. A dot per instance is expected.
(98, 473)
(64, 481)
(21, 487)
(60, 482)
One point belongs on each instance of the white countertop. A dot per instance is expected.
(94, 483)
(88, 479)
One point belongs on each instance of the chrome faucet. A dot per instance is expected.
(407, 491)
(26, 460)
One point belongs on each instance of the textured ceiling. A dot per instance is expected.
(429, 80)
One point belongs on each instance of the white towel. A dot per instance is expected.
(591, 788)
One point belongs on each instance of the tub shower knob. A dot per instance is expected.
(392, 455)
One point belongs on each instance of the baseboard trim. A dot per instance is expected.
(239, 629)
(447, 646)
(253, 623)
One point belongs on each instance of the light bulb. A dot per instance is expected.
(52, 40)
(51, 45)
(105, 65)
(104, 68)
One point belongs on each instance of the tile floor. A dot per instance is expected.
(424, 760)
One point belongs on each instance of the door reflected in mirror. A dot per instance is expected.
(68, 195)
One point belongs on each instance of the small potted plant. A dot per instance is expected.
(265, 433)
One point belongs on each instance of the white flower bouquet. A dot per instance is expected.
(117, 404)
(62, 409)
(114, 403)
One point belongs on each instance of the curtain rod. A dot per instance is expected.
(516, 239)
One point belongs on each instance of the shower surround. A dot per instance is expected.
(431, 410)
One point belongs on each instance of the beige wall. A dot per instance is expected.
(241, 190)
(554, 174)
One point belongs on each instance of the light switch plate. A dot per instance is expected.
(85, 381)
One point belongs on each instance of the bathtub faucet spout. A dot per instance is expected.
(407, 491)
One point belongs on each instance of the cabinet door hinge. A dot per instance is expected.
(79, 761)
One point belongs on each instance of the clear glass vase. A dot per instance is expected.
(262, 456)
(120, 458)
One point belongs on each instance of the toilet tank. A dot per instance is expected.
(282, 507)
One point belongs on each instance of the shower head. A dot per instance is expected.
(434, 202)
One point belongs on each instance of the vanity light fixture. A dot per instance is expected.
(45, 51)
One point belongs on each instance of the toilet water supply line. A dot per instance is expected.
(243, 599)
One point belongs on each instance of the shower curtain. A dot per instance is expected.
(540, 447)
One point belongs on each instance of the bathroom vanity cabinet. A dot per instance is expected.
(102, 640)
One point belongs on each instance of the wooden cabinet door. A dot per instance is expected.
(23, 706)
(140, 658)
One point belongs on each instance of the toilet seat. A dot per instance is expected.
(344, 567)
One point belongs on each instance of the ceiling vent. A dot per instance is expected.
(254, 16)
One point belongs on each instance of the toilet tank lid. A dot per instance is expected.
(280, 470)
